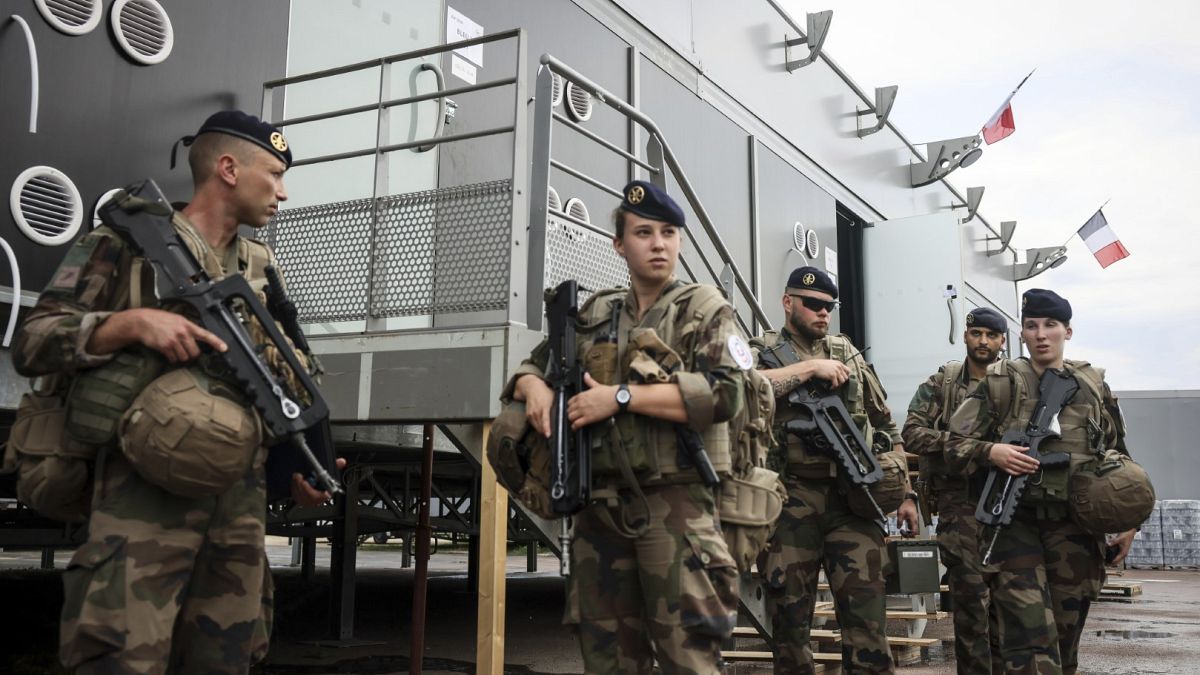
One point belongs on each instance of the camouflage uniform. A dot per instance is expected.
(1048, 570)
(975, 648)
(817, 525)
(164, 583)
(652, 579)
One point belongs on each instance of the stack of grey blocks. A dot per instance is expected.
(1170, 537)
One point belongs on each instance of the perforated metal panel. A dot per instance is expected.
(324, 251)
(575, 253)
(444, 251)
(435, 252)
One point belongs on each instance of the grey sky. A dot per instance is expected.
(1113, 112)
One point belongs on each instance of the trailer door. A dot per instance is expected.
(913, 279)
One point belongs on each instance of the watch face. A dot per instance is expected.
(623, 396)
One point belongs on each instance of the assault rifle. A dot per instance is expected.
(141, 215)
(1002, 491)
(825, 425)
(571, 465)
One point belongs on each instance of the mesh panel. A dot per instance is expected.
(437, 252)
(444, 251)
(573, 252)
(324, 251)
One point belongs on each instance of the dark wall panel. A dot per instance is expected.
(105, 121)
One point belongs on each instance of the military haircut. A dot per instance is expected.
(619, 222)
(207, 148)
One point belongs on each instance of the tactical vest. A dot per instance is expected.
(98, 397)
(648, 445)
(951, 393)
(801, 461)
(1013, 389)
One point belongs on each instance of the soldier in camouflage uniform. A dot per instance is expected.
(165, 583)
(925, 434)
(817, 525)
(652, 577)
(1048, 569)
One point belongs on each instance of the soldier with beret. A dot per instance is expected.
(174, 575)
(823, 523)
(1046, 568)
(652, 579)
(925, 433)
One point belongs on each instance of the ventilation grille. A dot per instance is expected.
(798, 236)
(46, 206)
(143, 30)
(553, 201)
(812, 243)
(557, 96)
(73, 17)
(579, 103)
(577, 210)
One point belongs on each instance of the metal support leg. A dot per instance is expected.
(308, 556)
(297, 551)
(48, 558)
(531, 554)
(424, 532)
(342, 562)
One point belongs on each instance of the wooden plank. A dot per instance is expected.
(767, 657)
(825, 587)
(493, 554)
(904, 615)
(1122, 589)
(896, 641)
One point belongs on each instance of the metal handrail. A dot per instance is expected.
(672, 162)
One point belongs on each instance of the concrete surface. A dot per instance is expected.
(1156, 632)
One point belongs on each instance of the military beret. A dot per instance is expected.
(650, 201)
(812, 279)
(986, 317)
(1042, 303)
(248, 127)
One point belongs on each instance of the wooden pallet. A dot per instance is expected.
(904, 615)
(1121, 589)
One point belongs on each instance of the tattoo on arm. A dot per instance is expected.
(784, 384)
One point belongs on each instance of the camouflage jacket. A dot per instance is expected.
(94, 281)
(925, 429)
(1090, 419)
(863, 395)
(708, 375)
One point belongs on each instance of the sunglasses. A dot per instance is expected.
(816, 304)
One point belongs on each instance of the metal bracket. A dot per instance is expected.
(1007, 228)
(945, 157)
(974, 196)
(727, 281)
(818, 28)
(1038, 260)
(884, 98)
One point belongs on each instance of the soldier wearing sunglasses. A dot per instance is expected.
(818, 525)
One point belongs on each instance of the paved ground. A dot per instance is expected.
(1156, 632)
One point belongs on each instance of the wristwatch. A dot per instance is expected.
(911, 495)
(623, 398)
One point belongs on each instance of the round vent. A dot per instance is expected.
(553, 201)
(557, 96)
(577, 210)
(798, 236)
(100, 202)
(143, 30)
(579, 103)
(73, 17)
(812, 244)
(46, 205)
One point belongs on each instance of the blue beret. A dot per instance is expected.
(812, 279)
(248, 127)
(986, 317)
(1041, 303)
(650, 201)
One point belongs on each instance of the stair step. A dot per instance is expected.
(905, 615)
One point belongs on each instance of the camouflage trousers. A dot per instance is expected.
(976, 650)
(1048, 572)
(167, 583)
(669, 593)
(817, 527)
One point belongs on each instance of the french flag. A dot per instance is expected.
(1001, 124)
(1102, 241)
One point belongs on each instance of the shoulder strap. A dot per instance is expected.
(253, 258)
(951, 374)
(999, 381)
